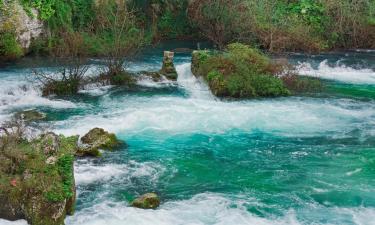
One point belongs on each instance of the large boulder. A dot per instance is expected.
(34, 185)
(87, 151)
(99, 138)
(147, 201)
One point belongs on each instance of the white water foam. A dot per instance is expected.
(87, 172)
(202, 209)
(210, 209)
(201, 112)
(16, 92)
(196, 88)
(18, 222)
(339, 72)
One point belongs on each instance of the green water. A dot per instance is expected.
(293, 160)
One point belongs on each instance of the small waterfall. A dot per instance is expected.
(197, 88)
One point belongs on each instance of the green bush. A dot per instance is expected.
(9, 47)
(61, 87)
(122, 78)
(239, 72)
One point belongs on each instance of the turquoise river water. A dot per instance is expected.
(306, 159)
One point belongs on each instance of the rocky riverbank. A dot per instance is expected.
(37, 176)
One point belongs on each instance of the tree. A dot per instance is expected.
(120, 37)
(71, 54)
(220, 21)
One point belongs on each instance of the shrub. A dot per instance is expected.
(120, 38)
(71, 75)
(239, 72)
(10, 49)
(299, 84)
(122, 78)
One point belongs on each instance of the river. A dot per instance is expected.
(306, 159)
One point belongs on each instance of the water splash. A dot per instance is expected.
(339, 72)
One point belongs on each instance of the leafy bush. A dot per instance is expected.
(122, 78)
(239, 72)
(304, 25)
(9, 47)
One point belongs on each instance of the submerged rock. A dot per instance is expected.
(147, 201)
(30, 115)
(168, 69)
(37, 187)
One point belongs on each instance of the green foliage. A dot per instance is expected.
(239, 72)
(311, 11)
(298, 84)
(9, 47)
(65, 167)
(61, 87)
(299, 25)
(45, 7)
(123, 78)
(173, 26)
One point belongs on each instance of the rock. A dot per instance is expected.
(98, 138)
(87, 151)
(155, 76)
(30, 115)
(27, 175)
(168, 69)
(43, 193)
(51, 160)
(147, 201)
(50, 143)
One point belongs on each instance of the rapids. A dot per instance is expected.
(307, 159)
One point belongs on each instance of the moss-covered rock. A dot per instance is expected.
(147, 201)
(30, 115)
(98, 138)
(239, 72)
(34, 184)
(168, 69)
(88, 151)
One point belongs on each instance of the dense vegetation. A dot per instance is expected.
(307, 25)
(244, 72)
(283, 25)
(240, 72)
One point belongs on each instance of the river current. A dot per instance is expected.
(307, 159)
